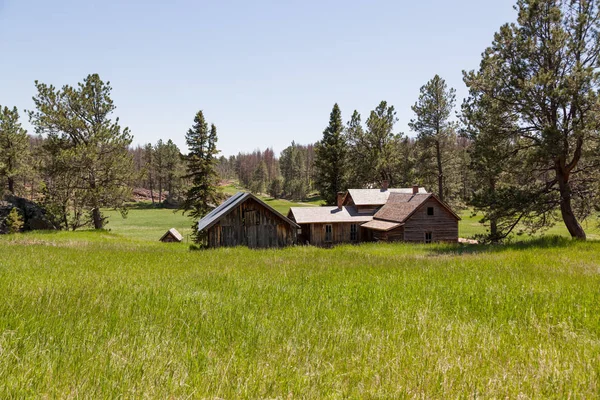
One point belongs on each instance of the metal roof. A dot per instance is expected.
(377, 197)
(312, 215)
(213, 217)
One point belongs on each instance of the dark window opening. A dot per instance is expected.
(353, 233)
(429, 210)
(428, 237)
(328, 233)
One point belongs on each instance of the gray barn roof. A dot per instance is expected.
(311, 215)
(377, 197)
(215, 215)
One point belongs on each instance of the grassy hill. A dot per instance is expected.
(98, 314)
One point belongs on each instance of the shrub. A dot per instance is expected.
(14, 221)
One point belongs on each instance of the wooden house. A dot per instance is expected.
(364, 215)
(172, 236)
(245, 220)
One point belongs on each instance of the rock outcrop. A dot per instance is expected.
(34, 215)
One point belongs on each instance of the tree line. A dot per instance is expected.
(523, 148)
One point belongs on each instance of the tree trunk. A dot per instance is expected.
(438, 155)
(151, 190)
(160, 190)
(97, 217)
(566, 210)
(11, 185)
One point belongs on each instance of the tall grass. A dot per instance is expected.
(98, 315)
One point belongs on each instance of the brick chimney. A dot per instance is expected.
(415, 189)
(340, 199)
(385, 185)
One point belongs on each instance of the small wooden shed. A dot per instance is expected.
(172, 236)
(245, 220)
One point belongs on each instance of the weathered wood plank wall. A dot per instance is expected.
(253, 225)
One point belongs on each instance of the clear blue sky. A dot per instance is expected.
(265, 72)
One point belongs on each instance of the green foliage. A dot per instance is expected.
(330, 160)
(14, 149)
(436, 133)
(153, 320)
(86, 163)
(544, 70)
(276, 187)
(203, 194)
(374, 152)
(167, 169)
(259, 178)
(295, 170)
(14, 222)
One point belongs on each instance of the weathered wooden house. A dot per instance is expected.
(364, 215)
(245, 220)
(172, 236)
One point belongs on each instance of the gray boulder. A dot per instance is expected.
(34, 215)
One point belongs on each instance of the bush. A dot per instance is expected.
(14, 222)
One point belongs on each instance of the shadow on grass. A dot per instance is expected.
(148, 205)
(546, 242)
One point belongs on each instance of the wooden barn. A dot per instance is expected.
(245, 220)
(364, 215)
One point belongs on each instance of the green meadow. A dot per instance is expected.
(118, 314)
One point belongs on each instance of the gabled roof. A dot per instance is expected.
(400, 206)
(312, 215)
(377, 197)
(231, 203)
(173, 232)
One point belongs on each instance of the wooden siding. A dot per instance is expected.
(442, 224)
(340, 233)
(253, 225)
(394, 235)
(170, 239)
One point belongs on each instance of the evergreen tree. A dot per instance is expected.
(148, 172)
(259, 178)
(203, 194)
(359, 172)
(14, 148)
(159, 167)
(295, 171)
(172, 162)
(544, 69)
(90, 166)
(436, 132)
(330, 162)
(489, 125)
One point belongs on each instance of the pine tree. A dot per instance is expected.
(203, 194)
(488, 124)
(544, 68)
(433, 126)
(172, 160)
(14, 148)
(330, 162)
(149, 173)
(259, 178)
(90, 166)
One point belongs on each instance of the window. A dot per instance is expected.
(328, 233)
(353, 233)
(429, 210)
(428, 237)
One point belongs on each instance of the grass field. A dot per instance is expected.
(117, 314)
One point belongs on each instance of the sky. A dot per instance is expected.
(265, 72)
